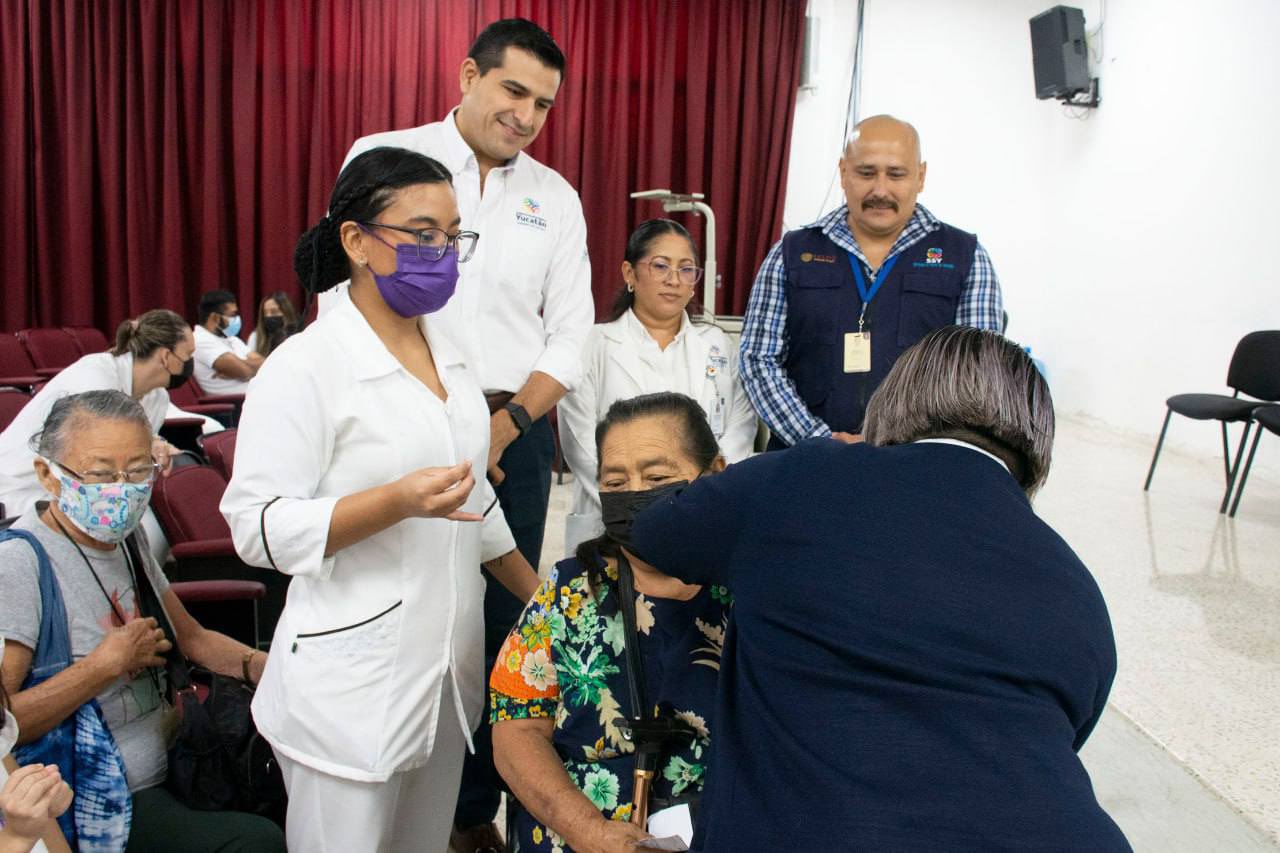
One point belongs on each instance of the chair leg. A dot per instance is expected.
(1226, 453)
(257, 630)
(1159, 443)
(1231, 475)
(1244, 475)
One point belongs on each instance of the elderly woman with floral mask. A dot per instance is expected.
(82, 664)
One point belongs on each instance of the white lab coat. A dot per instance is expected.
(622, 360)
(99, 371)
(374, 637)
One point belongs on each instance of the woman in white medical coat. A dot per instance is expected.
(360, 471)
(650, 344)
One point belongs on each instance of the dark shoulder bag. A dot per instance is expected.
(218, 761)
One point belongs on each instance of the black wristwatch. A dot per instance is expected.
(520, 416)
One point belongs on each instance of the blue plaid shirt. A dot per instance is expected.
(764, 341)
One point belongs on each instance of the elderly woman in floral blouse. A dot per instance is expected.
(559, 691)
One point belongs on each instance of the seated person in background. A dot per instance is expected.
(224, 363)
(31, 797)
(95, 463)
(151, 355)
(277, 320)
(559, 691)
(915, 658)
(649, 344)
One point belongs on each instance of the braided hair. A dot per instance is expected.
(364, 189)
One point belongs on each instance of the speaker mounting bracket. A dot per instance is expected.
(1091, 98)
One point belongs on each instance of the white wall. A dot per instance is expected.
(1136, 247)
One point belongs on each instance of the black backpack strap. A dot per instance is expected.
(177, 669)
(635, 666)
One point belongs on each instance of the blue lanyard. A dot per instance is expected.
(861, 281)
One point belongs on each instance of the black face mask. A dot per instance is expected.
(176, 380)
(273, 325)
(619, 509)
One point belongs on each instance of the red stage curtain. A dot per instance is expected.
(155, 149)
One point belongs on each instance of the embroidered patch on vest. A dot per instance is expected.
(821, 259)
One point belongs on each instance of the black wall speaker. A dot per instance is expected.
(1059, 54)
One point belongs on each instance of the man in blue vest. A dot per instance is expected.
(836, 302)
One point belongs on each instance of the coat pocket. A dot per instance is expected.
(928, 302)
(333, 676)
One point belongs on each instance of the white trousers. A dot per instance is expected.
(411, 811)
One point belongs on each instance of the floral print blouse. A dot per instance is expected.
(565, 660)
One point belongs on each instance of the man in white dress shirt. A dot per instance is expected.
(522, 310)
(224, 363)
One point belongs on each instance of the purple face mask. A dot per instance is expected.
(418, 285)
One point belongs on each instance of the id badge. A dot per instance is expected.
(717, 417)
(857, 352)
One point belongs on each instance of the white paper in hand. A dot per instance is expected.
(675, 822)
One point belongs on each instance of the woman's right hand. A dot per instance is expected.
(613, 836)
(438, 492)
(33, 796)
(133, 647)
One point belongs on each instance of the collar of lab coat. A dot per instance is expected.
(630, 335)
(124, 372)
(457, 155)
(629, 324)
(368, 355)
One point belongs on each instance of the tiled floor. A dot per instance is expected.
(1188, 759)
(1195, 603)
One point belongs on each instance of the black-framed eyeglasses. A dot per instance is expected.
(661, 268)
(434, 242)
(137, 475)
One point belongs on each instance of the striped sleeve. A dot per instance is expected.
(981, 304)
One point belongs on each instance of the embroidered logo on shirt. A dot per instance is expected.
(528, 214)
(806, 257)
(933, 256)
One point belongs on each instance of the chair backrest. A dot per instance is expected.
(14, 359)
(220, 447)
(88, 339)
(186, 504)
(50, 348)
(1255, 365)
(184, 395)
(11, 402)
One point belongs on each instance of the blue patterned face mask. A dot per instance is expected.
(108, 512)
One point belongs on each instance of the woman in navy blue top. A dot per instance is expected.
(914, 657)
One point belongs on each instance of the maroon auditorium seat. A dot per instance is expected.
(16, 368)
(186, 505)
(187, 397)
(11, 402)
(88, 339)
(220, 448)
(50, 349)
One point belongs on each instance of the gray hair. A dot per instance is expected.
(76, 411)
(970, 384)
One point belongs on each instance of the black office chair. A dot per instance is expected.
(1255, 371)
(1268, 418)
